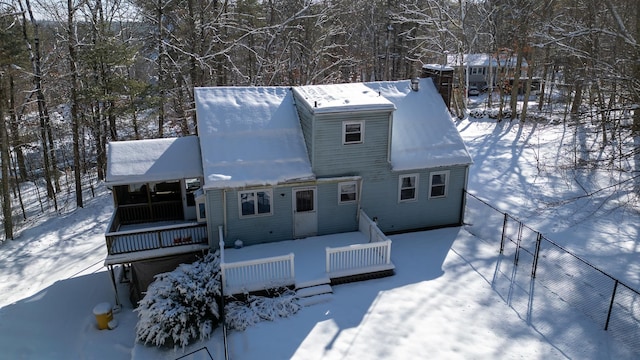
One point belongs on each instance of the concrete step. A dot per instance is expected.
(310, 283)
(315, 299)
(314, 290)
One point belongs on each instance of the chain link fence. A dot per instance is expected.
(543, 282)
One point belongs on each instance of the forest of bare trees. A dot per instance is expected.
(86, 72)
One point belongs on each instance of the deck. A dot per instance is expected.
(307, 262)
(309, 254)
(138, 241)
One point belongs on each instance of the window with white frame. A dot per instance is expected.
(255, 202)
(439, 184)
(408, 187)
(347, 192)
(352, 132)
(201, 209)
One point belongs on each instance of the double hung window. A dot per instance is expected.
(255, 202)
(352, 132)
(438, 184)
(347, 192)
(408, 187)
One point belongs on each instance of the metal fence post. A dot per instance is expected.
(518, 241)
(504, 230)
(535, 256)
(613, 296)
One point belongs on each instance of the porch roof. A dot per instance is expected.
(250, 136)
(153, 160)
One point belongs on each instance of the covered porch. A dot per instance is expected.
(154, 184)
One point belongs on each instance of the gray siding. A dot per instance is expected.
(333, 158)
(334, 217)
(214, 214)
(380, 200)
(260, 229)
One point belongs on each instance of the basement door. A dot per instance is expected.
(305, 215)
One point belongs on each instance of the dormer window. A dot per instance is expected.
(352, 132)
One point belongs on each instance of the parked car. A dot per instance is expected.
(473, 91)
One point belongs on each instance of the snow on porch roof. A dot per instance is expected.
(250, 136)
(423, 134)
(342, 98)
(153, 160)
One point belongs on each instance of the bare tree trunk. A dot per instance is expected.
(42, 108)
(161, 78)
(515, 89)
(527, 91)
(71, 37)
(4, 159)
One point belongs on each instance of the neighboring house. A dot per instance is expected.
(280, 163)
(486, 69)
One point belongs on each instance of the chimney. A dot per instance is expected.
(442, 77)
(415, 84)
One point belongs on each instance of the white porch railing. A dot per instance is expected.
(260, 274)
(370, 228)
(361, 258)
(268, 273)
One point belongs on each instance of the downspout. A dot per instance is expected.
(463, 203)
(359, 207)
(389, 144)
(224, 211)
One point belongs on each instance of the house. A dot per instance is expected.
(281, 163)
(486, 69)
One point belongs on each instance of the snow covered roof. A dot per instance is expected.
(437, 67)
(153, 160)
(423, 134)
(342, 98)
(250, 136)
(483, 60)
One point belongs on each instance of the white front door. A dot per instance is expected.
(305, 216)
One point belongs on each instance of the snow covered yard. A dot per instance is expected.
(453, 295)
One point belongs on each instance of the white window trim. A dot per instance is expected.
(347, 183)
(344, 132)
(446, 183)
(200, 200)
(416, 191)
(256, 191)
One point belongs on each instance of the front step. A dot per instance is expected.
(314, 294)
(316, 299)
(314, 290)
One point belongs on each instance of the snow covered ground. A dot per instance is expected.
(453, 295)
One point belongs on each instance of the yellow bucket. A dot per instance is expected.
(104, 314)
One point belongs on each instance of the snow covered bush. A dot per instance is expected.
(239, 315)
(181, 305)
(477, 113)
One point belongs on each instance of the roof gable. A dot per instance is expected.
(250, 136)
